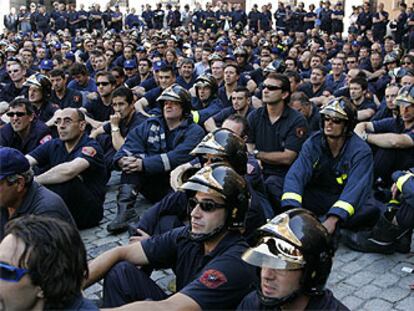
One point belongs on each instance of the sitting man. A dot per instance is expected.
(77, 171)
(20, 195)
(294, 255)
(204, 255)
(24, 132)
(43, 265)
(332, 175)
(152, 150)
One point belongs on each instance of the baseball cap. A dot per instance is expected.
(159, 65)
(130, 64)
(12, 161)
(46, 64)
(70, 56)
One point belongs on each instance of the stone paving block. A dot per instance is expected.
(368, 292)
(381, 266)
(347, 256)
(378, 305)
(352, 267)
(336, 277)
(106, 240)
(394, 294)
(352, 302)
(397, 269)
(93, 289)
(406, 304)
(406, 281)
(360, 279)
(342, 290)
(93, 252)
(386, 280)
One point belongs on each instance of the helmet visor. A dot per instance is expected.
(275, 253)
(208, 145)
(204, 181)
(336, 109)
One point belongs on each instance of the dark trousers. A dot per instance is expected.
(153, 187)
(85, 207)
(125, 283)
(274, 189)
(387, 161)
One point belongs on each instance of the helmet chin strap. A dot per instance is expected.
(276, 303)
(202, 237)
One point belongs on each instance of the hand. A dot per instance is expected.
(139, 238)
(359, 131)
(115, 119)
(330, 223)
(92, 96)
(394, 191)
(133, 166)
(124, 162)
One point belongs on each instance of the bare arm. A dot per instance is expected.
(117, 140)
(391, 140)
(97, 132)
(98, 267)
(277, 157)
(365, 114)
(251, 86)
(363, 127)
(140, 105)
(63, 172)
(210, 124)
(32, 161)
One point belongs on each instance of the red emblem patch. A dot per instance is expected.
(212, 278)
(45, 139)
(76, 98)
(300, 132)
(89, 151)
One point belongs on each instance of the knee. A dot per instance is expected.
(118, 272)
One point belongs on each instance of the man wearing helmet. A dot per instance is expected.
(154, 148)
(295, 256)
(204, 255)
(332, 175)
(393, 137)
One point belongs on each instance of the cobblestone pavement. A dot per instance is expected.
(360, 281)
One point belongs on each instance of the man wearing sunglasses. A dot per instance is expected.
(294, 254)
(42, 266)
(332, 175)
(24, 131)
(204, 255)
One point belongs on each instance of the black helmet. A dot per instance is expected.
(224, 143)
(177, 93)
(277, 66)
(221, 180)
(41, 81)
(343, 109)
(294, 240)
(207, 80)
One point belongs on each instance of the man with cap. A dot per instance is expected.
(46, 65)
(21, 195)
(204, 255)
(61, 95)
(144, 73)
(25, 131)
(130, 68)
(393, 138)
(77, 171)
(295, 255)
(332, 175)
(153, 149)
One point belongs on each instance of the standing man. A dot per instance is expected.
(276, 134)
(77, 170)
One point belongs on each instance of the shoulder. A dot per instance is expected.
(250, 302)
(327, 301)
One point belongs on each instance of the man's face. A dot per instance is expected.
(315, 61)
(407, 113)
(204, 56)
(351, 63)
(317, 77)
(230, 76)
(356, 92)
(16, 72)
(35, 94)
(120, 105)
(239, 100)
(58, 83)
(390, 96)
(21, 295)
(166, 79)
(217, 70)
(337, 66)
(100, 63)
(27, 58)
(407, 81)
(105, 88)
(130, 72)
(81, 79)
(290, 65)
(272, 96)
(69, 126)
(41, 53)
(205, 222)
(265, 60)
(118, 46)
(236, 127)
(19, 119)
(143, 68)
(186, 70)
(279, 283)
(376, 61)
(204, 92)
(172, 110)
(333, 127)
(302, 108)
(128, 53)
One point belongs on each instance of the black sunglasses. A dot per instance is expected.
(272, 87)
(334, 120)
(206, 206)
(17, 114)
(102, 83)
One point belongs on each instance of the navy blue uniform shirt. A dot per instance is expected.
(98, 110)
(71, 99)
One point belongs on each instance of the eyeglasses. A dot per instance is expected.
(205, 205)
(334, 120)
(102, 83)
(11, 273)
(272, 87)
(407, 63)
(18, 114)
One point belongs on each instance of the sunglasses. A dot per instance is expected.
(272, 87)
(11, 273)
(102, 83)
(351, 62)
(12, 71)
(212, 159)
(206, 206)
(334, 120)
(16, 114)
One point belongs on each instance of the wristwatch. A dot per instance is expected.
(255, 152)
(364, 136)
(115, 129)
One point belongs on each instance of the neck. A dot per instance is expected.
(230, 88)
(144, 77)
(70, 145)
(172, 123)
(242, 112)
(188, 80)
(19, 84)
(60, 94)
(300, 303)
(275, 111)
(335, 144)
(209, 246)
(408, 125)
(24, 133)
(38, 105)
(16, 204)
(106, 100)
(316, 86)
(358, 101)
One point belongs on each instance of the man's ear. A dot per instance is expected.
(39, 293)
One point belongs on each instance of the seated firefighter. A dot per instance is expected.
(206, 255)
(152, 150)
(294, 255)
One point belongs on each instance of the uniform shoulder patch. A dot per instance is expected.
(300, 131)
(89, 151)
(45, 139)
(212, 278)
(76, 98)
